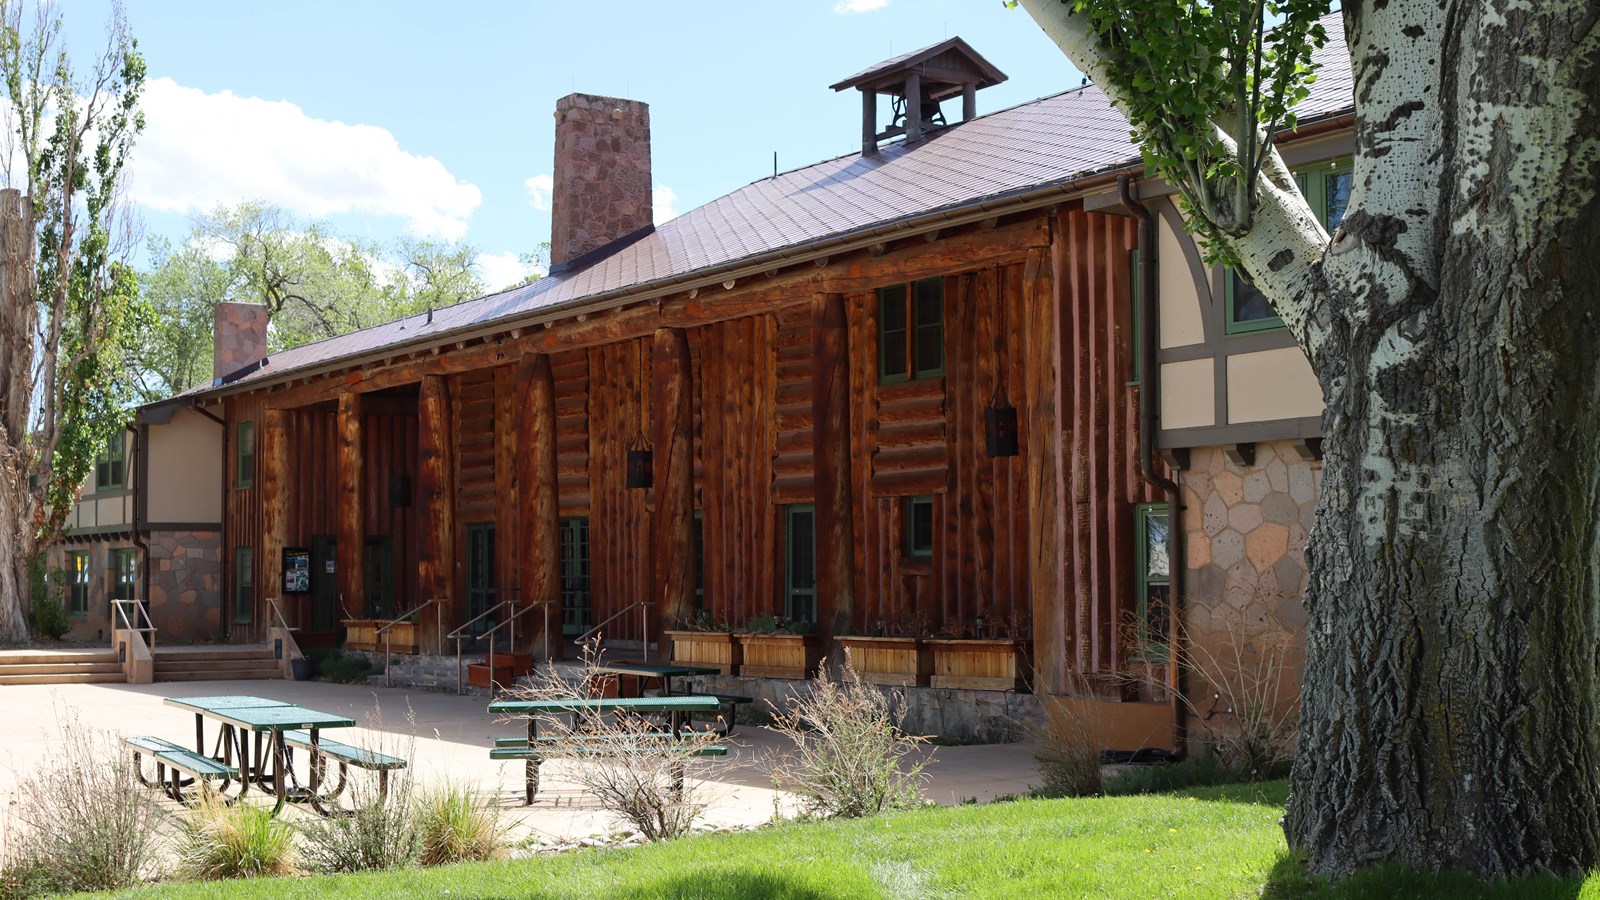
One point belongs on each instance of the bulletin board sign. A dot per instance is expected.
(296, 570)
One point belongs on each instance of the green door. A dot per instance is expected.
(379, 577)
(480, 573)
(800, 562)
(324, 584)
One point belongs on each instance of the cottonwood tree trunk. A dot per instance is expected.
(1450, 696)
(19, 320)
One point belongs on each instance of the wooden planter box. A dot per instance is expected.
(905, 662)
(712, 649)
(982, 665)
(780, 655)
(507, 668)
(362, 634)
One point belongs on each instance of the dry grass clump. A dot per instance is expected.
(383, 831)
(457, 825)
(218, 841)
(851, 758)
(1069, 749)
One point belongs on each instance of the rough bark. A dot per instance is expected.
(1449, 697)
(18, 321)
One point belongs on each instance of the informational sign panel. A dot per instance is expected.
(296, 570)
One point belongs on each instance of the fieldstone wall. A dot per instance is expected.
(601, 187)
(186, 586)
(240, 337)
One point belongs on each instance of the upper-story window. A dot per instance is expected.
(1327, 189)
(911, 330)
(919, 526)
(110, 467)
(246, 474)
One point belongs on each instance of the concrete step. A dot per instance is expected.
(84, 668)
(11, 658)
(252, 674)
(222, 654)
(209, 665)
(81, 678)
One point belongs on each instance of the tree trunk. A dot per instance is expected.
(1450, 694)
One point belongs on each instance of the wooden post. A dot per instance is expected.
(436, 488)
(350, 515)
(672, 436)
(275, 482)
(1043, 460)
(913, 107)
(539, 500)
(830, 414)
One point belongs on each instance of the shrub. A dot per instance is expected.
(219, 841)
(47, 616)
(382, 831)
(458, 826)
(84, 823)
(1195, 771)
(640, 778)
(850, 757)
(1069, 749)
(343, 669)
(779, 625)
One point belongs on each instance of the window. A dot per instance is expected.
(245, 475)
(698, 535)
(78, 584)
(110, 467)
(244, 584)
(911, 330)
(124, 574)
(1153, 576)
(800, 563)
(919, 526)
(574, 575)
(1327, 189)
(379, 576)
(481, 591)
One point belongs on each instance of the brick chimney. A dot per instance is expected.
(240, 338)
(602, 175)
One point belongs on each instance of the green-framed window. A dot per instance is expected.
(111, 467)
(124, 573)
(575, 597)
(1326, 188)
(244, 585)
(800, 562)
(77, 575)
(1153, 582)
(245, 456)
(698, 536)
(918, 513)
(911, 330)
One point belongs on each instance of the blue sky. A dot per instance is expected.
(432, 118)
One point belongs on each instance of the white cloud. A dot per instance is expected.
(502, 270)
(540, 188)
(851, 7)
(661, 200)
(199, 150)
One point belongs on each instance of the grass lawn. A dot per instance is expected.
(1205, 843)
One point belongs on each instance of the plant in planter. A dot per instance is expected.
(780, 647)
(705, 641)
(988, 654)
(892, 651)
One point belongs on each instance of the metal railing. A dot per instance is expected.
(415, 612)
(277, 613)
(149, 629)
(510, 621)
(644, 625)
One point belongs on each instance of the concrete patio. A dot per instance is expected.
(448, 736)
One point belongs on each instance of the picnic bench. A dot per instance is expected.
(665, 673)
(181, 761)
(535, 748)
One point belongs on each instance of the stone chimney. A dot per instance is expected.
(602, 175)
(240, 338)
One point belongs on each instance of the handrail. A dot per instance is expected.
(644, 625)
(122, 613)
(388, 678)
(277, 611)
(510, 620)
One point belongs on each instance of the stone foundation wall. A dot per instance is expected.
(186, 586)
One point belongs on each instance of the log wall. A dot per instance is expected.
(619, 523)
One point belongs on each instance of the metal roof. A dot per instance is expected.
(986, 161)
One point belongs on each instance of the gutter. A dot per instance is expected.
(1149, 425)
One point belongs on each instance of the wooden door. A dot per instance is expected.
(324, 583)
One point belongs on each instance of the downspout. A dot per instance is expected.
(222, 551)
(139, 497)
(1149, 425)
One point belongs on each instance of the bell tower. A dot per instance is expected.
(917, 83)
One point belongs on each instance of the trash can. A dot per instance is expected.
(302, 669)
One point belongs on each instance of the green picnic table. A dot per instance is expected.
(663, 673)
(242, 716)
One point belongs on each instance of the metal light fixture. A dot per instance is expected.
(1000, 418)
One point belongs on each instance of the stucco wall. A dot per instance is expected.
(185, 470)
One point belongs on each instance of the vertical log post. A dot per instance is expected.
(673, 439)
(274, 519)
(351, 516)
(539, 501)
(830, 412)
(1043, 460)
(435, 477)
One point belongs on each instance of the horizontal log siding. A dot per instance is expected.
(737, 384)
(570, 372)
(792, 473)
(619, 522)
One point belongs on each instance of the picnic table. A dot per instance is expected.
(239, 717)
(661, 673)
(535, 748)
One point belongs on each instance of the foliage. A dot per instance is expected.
(640, 777)
(341, 668)
(779, 625)
(1069, 748)
(182, 286)
(850, 758)
(1253, 711)
(383, 832)
(82, 821)
(457, 825)
(218, 841)
(704, 621)
(47, 614)
(908, 623)
(1195, 771)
